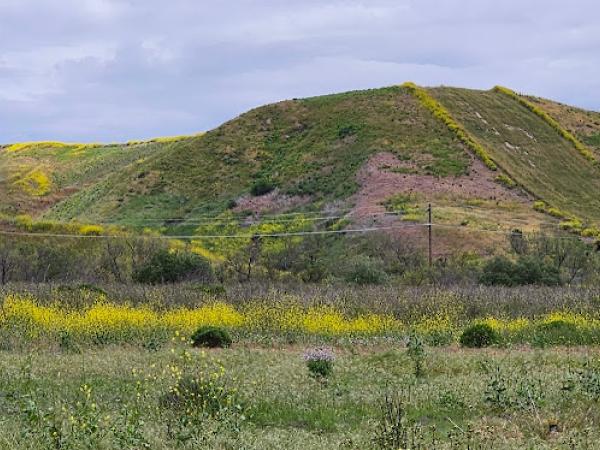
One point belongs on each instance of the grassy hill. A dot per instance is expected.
(528, 149)
(363, 152)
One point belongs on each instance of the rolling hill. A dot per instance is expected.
(487, 160)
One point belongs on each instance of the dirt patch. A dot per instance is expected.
(378, 182)
(273, 202)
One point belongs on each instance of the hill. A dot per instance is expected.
(487, 160)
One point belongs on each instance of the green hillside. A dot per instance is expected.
(528, 149)
(35, 176)
(362, 150)
(305, 148)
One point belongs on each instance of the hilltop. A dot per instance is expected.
(488, 160)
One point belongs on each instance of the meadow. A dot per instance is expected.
(85, 367)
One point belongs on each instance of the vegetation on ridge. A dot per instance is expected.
(553, 123)
(442, 113)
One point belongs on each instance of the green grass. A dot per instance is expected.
(593, 140)
(70, 167)
(501, 399)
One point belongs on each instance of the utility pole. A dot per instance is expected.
(429, 226)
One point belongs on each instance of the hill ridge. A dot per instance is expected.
(305, 155)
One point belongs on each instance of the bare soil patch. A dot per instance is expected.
(379, 182)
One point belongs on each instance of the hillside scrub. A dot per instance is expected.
(170, 266)
(262, 254)
(526, 270)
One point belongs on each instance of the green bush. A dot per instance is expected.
(499, 271)
(198, 393)
(347, 130)
(320, 368)
(212, 337)
(261, 187)
(479, 335)
(364, 270)
(532, 270)
(170, 267)
(527, 270)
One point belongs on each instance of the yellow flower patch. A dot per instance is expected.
(35, 183)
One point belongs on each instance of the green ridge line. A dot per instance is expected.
(444, 115)
(579, 146)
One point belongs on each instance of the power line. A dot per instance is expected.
(229, 220)
(274, 217)
(215, 236)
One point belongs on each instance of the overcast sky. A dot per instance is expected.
(112, 70)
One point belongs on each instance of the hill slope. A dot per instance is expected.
(363, 152)
(529, 149)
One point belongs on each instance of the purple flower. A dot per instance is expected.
(319, 354)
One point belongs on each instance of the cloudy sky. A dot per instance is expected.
(112, 70)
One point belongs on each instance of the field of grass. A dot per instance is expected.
(528, 149)
(63, 170)
(86, 368)
(114, 397)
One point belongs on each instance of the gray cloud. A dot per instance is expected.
(111, 70)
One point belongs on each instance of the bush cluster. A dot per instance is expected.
(479, 335)
(527, 270)
(172, 266)
(261, 187)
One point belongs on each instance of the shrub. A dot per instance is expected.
(591, 232)
(91, 230)
(261, 187)
(532, 270)
(319, 362)
(501, 271)
(506, 181)
(365, 270)
(200, 402)
(416, 352)
(540, 206)
(169, 267)
(212, 337)
(199, 393)
(347, 130)
(498, 271)
(479, 335)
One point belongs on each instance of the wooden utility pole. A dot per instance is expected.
(429, 226)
